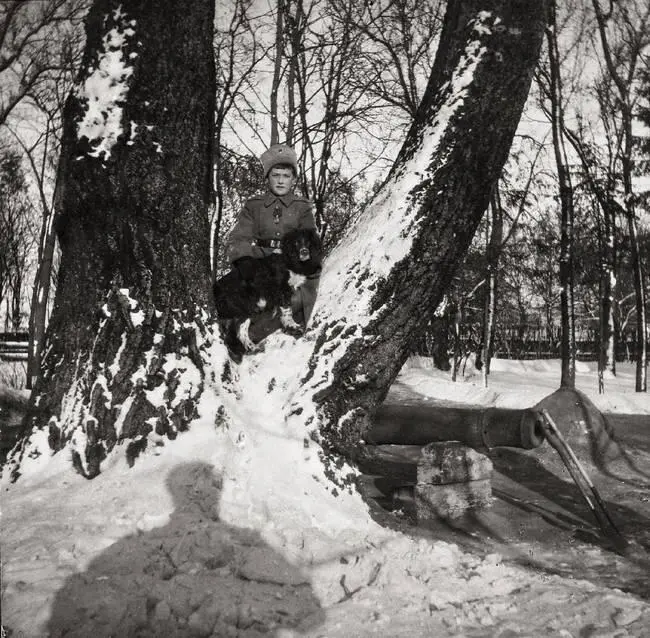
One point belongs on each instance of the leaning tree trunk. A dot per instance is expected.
(121, 357)
(399, 256)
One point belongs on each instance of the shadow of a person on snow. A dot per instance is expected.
(195, 576)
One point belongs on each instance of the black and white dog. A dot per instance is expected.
(274, 280)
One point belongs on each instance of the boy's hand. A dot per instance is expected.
(245, 268)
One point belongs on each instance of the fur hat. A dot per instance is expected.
(279, 154)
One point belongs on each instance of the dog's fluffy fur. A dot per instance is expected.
(274, 280)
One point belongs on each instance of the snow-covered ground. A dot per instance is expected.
(521, 384)
(231, 531)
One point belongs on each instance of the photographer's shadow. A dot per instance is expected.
(195, 576)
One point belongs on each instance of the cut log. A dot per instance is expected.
(475, 426)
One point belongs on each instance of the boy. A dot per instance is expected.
(261, 225)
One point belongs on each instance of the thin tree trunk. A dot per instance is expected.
(40, 297)
(296, 34)
(398, 258)
(607, 336)
(641, 349)
(135, 182)
(15, 303)
(492, 268)
(607, 341)
(567, 306)
(277, 72)
(624, 87)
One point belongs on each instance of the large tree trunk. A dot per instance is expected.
(399, 256)
(121, 357)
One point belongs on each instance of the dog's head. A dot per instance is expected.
(302, 251)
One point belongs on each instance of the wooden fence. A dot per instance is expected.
(13, 346)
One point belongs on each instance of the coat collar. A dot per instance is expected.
(286, 200)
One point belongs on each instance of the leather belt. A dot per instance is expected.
(267, 243)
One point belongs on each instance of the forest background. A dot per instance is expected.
(342, 81)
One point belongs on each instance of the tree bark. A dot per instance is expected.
(493, 254)
(567, 305)
(399, 256)
(121, 356)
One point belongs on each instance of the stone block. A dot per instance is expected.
(451, 462)
(433, 502)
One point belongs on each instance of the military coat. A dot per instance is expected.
(266, 218)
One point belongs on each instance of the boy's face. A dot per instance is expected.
(281, 181)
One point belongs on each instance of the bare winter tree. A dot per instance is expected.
(32, 33)
(398, 47)
(601, 181)
(555, 92)
(494, 246)
(623, 30)
(39, 158)
(238, 52)
(16, 237)
(38, 134)
(390, 269)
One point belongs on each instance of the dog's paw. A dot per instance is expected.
(289, 324)
(244, 337)
(294, 332)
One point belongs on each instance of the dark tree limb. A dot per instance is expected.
(371, 306)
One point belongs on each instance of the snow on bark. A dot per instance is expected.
(149, 396)
(388, 274)
(387, 227)
(126, 339)
(105, 88)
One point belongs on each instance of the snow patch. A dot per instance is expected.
(106, 87)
